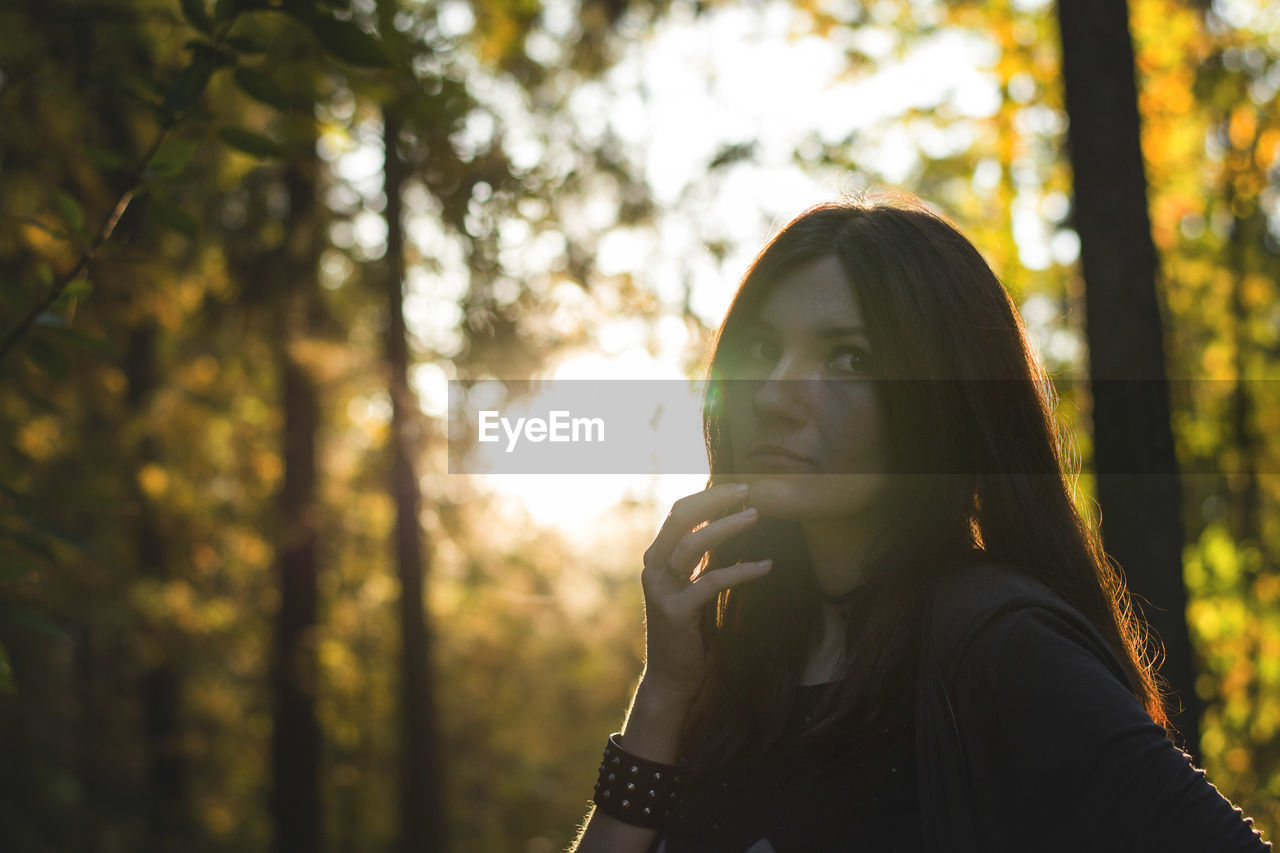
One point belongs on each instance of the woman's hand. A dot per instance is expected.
(675, 660)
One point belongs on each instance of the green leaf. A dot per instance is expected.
(13, 292)
(70, 211)
(348, 42)
(172, 216)
(188, 87)
(79, 339)
(11, 570)
(48, 358)
(248, 142)
(197, 14)
(215, 56)
(172, 158)
(49, 530)
(31, 543)
(261, 86)
(72, 293)
(34, 620)
(6, 673)
(106, 159)
(163, 115)
(78, 289)
(245, 44)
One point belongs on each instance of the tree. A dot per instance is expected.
(1137, 482)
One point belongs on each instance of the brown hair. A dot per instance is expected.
(995, 485)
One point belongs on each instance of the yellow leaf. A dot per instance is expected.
(153, 480)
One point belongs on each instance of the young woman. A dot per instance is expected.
(884, 626)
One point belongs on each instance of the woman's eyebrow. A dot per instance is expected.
(821, 331)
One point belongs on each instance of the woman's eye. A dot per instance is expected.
(761, 350)
(852, 360)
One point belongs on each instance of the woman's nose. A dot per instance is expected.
(783, 393)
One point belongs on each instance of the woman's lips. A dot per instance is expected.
(777, 458)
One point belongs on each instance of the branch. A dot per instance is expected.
(136, 177)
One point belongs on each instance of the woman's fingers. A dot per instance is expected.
(704, 590)
(689, 550)
(674, 653)
(690, 511)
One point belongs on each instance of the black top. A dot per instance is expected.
(1028, 736)
(1023, 735)
(867, 801)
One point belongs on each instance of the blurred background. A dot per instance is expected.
(248, 244)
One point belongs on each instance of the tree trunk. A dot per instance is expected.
(421, 785)
(292, 272)
(161, 684)
(1242, 483)
(1138, 486)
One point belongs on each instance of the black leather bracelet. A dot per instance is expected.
(636, 790)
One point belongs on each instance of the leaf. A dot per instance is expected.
(34, 620)
(215, 56)
(11, 570)
(70, 294)
(172, 216)
(197, 14)
(12, 291)
(49, 530)
(261, 86)
(172, 158)
(70, 211)
(32, 543)
(6, 673)
(245, 44)
(348, 42)
(48, 358)
(248, 142)
(79, 339)
(106, 159)
(78, 289)
(56, 233)
(188, 87)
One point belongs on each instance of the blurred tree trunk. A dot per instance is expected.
(1138, 486)
(422, 786)
(90, 737)
(292, 272)
(1242, 484)
(167, 782)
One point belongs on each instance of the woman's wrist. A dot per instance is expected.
(653, 725)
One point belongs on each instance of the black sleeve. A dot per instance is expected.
(1075, 754)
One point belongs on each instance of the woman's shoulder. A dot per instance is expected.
(979, 609)
(974, 592)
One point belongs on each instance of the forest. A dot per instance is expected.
(249, 247)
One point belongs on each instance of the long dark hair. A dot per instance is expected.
(980, 470)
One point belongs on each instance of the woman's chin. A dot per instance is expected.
(779, 497)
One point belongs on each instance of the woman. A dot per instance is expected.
(884, 625)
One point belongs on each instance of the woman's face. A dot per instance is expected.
(806, 427)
